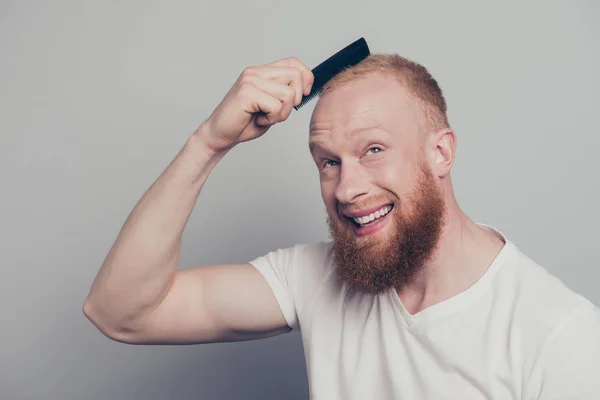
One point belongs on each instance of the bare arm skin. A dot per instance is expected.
(138, 295)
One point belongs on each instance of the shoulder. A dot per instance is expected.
(312, 262)
(569, 360)
(319, 253)
(555, 330)
(303, 265)
(537, 306)
(540, 297)
(311, 255)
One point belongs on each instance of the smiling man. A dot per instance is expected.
(369, 140)
(410, 299)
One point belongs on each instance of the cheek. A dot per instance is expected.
(393, 183)
(328, 196)
(393, 178)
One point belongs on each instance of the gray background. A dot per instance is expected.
(97, 97)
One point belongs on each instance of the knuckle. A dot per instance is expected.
(245, 86)
(277, 109)
(246, 81)
(286, 111)
(289, 93)
(246, 78)
(245, 90)
(297, 73)
(249, 71)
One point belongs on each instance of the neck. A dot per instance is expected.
(465, 250)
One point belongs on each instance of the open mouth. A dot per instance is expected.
(373, 218)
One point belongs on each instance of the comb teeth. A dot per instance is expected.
(307, 98)
(324, 72)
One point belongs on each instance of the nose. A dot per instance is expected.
(353, 183)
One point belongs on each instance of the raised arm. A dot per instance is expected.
(138, 295)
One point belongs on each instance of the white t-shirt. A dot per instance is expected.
(517, 333)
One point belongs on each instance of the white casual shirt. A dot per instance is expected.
(517, 333)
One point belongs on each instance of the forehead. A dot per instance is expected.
(372, 101)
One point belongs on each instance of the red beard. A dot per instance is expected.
(374, 264)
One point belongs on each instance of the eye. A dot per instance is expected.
(375, 148)
(328, 163)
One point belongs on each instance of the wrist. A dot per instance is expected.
(199, 143)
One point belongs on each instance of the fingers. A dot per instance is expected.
(285, 94)
(258, 101)
(273, 99)
(274, 89)
(307, 75)
(285, 75)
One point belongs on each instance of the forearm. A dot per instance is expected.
(139, 268)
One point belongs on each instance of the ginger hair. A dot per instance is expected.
(413, 76)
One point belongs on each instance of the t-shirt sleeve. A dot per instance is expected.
(295, 274)
(276, 267)
(569, 365)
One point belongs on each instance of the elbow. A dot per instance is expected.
(117, 335)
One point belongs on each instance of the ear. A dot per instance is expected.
(441, 147)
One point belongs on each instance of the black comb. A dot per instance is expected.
(347, 57)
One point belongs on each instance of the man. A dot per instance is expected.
(410, 300)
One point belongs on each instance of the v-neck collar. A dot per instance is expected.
(422, 318)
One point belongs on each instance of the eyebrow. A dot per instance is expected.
(317, 144)
(314, 145)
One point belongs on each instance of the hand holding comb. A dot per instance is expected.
(347, 57)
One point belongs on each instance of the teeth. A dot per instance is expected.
(377, 214)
